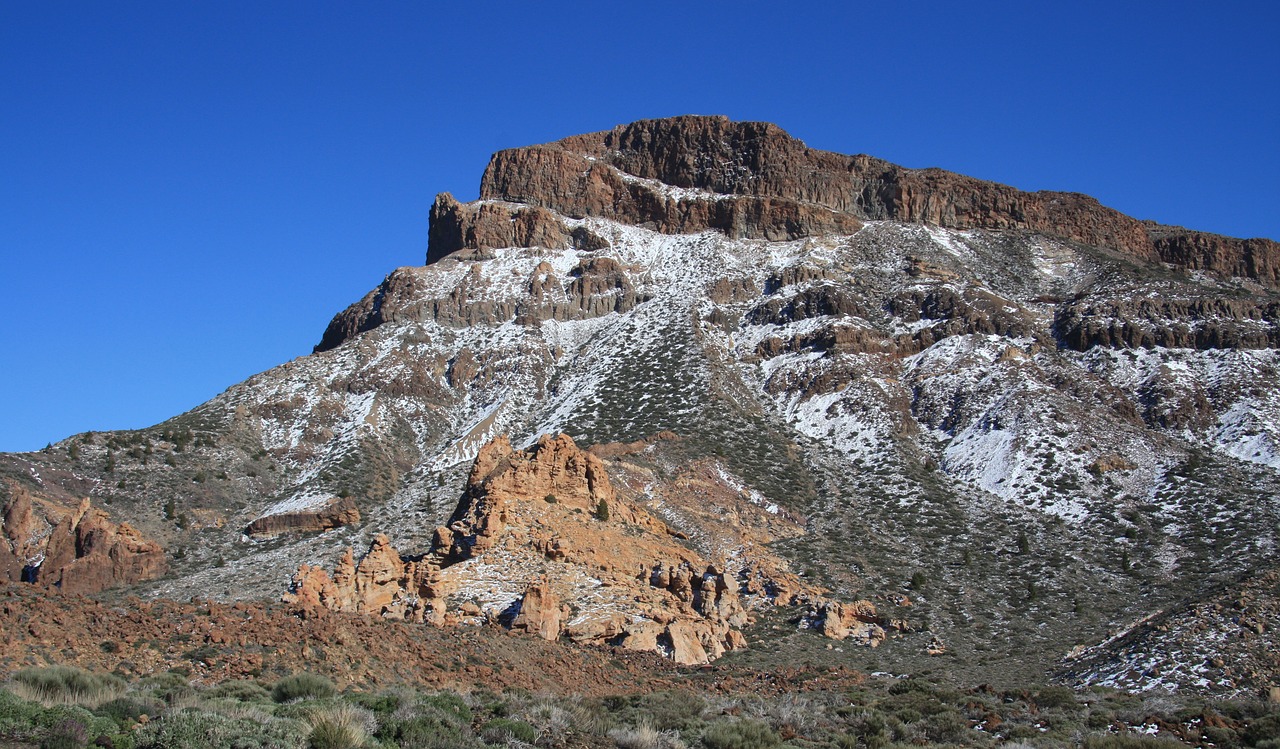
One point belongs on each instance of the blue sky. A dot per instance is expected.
(189, 191)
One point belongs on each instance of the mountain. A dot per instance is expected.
(1011, 424)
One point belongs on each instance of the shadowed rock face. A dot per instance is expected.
(759, 182)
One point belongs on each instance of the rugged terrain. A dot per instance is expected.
(1016, 422)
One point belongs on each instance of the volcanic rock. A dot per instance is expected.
(550, 520)
(87, 553)
(335, 514)
(752, 179)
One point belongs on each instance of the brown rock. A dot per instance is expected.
(761, 182)
(540, 612)
(337, 513)
(686, 645)
(87, 553)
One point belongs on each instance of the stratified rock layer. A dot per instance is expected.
(753, 180)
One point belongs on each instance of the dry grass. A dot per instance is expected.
(645, 736)
(64, 685)
(340, 726)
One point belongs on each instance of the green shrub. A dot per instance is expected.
(382, 703)
(426, 732)
(192, 728)
(18, 717)
(869, 727)
(645, 737)
(1263, 732)
(663, 711)
(498, 730)
(66, 685)
(124, 710)
(449, 703)
(740, 734)
(302, 686)
(240, 691)
(1056, 697)
(94, 725)
(67, 733)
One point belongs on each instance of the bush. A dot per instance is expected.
(663, 711)
(499, 730)
(66, 685)
(1056, 697)
(426, 732)
(741, 734)
(124, 710)
(191, 728)
(68, 733)
(302, 686)
(645, 737)
(240, 691)
(1127, 741)
(451, 704)
(340, 726)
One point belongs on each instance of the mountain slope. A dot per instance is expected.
(1038, 418)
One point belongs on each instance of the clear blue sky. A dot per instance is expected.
(190, 190)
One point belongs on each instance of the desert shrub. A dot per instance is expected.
(1127, 741)
(425, 732)
(1263, 732)
(66, 685)
(240, 691)
(67, 733)
(380, 703)
(645, 737)
(129, 708)
(449, 703)
(1056, 697)
(948, 727)
(663, 711)
(71, 726)
(740, 734)
(168, 686)
(869, 727)
(302, 686)
(340, 726)
(192, 728)
(499, 730)
(17, 717)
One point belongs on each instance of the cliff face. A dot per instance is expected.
(753, 180)
(81, 551)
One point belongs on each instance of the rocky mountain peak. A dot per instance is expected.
(752, 180)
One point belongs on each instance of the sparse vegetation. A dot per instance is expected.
(302, 686)
(304, 711)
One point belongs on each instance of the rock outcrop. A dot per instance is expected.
(753, 180)
(541, 542)
(595, 287)
(83, 553)
(336, 513)
(857, 621)
(1147, 322)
